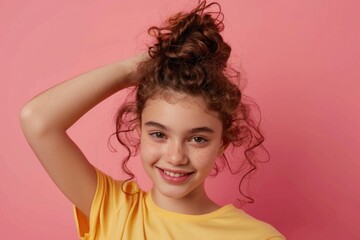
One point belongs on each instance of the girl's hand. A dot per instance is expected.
(131, 66)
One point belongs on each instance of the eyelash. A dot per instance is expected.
(202, 140)
(160, 135)
(156, 135)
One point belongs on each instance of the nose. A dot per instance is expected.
(176, 154)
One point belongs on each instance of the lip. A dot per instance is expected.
(175, 180)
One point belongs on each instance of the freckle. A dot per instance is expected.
(155, 152)
(197, 155)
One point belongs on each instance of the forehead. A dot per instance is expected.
(178, 110)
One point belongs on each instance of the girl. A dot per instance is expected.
(187, 113)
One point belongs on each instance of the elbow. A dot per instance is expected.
(30, 121)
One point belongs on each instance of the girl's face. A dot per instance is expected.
(180, 141)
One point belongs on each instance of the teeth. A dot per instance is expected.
(171, 174)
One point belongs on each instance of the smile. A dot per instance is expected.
(175, 177)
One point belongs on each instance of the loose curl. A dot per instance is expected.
(190, 56)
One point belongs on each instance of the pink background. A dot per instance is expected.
(301, 60)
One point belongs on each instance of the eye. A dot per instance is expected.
(157, 135)
(198, 140)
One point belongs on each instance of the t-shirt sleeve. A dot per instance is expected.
(257, 229)
(281, 237)
(107, 200)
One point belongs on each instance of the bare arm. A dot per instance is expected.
(45, 119)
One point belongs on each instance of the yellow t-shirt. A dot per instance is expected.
(116, 215)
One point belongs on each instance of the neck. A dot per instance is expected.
(194, 203)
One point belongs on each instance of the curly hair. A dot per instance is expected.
(190, 56)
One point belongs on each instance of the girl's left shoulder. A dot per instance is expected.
(251, 225)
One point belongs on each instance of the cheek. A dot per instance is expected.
(202, 159)
(149, 153)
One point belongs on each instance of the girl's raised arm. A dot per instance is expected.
(45, 119)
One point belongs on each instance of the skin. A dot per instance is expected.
(46, 118)
(180, 135)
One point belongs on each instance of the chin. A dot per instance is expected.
(178, 191)
(175, 192)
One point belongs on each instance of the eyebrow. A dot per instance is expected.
(165, 128)
(157, 125)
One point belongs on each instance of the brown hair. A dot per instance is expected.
(190, 56)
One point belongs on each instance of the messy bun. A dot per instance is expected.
(190, 56)
(187, 47)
